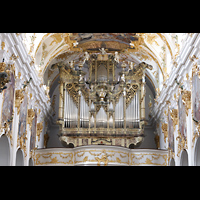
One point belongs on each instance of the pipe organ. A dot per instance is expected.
(102, 101)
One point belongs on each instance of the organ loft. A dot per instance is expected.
(102, 100)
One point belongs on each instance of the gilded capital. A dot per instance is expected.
(31, 115)
(2, 67)
(186, 98)
(165, 130)
(19, 97)
(39, 129)
(174, 116)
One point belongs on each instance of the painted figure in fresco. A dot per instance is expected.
(8, 102)
(23, 116)
(197, 107)
(182, 118)
(171, 133)
(196, 97)
(33, 132)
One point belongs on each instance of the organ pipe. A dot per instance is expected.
(132, 113)
(124, 108)
(60, 111)
(116, 97)
(119, 114)
(71, 112)
(143, 98)
(84, 113)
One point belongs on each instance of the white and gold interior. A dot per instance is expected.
(99, 98)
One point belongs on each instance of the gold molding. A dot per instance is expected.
(39, 129)
(31, 115)
(186, 98)
(182, 143)
(19, 97)
(54, 160)
(165, 130)
(148, 160)
(105, 154)
(174, 116)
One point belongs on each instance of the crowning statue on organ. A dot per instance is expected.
(102, 99)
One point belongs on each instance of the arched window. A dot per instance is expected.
(4, 151)
(172, 162)
(19, 158)
(184, 158)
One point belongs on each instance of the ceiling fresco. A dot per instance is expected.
(156, 49)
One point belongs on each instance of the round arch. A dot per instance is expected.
(172, 162)
(184, 158)
(19, 158)
(197, 153)
(30, 163)
(4, 151)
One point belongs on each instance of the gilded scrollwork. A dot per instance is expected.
(165, 130)
(186, 98)
(148, 159)
(174, 116)
(196, 133)
(21, 142)
(31, 115)
(19, 97)
(182, 143)
(8, 132)
(54, 158)
(101, 156)
(39, 129)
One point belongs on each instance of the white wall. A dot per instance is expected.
(14, 46)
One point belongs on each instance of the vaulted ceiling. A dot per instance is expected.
(156, 49)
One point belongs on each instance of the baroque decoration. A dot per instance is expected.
(98, 93)
(107, 98)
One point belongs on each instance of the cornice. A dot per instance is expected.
(184, 64)
(23, 65)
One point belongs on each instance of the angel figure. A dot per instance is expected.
(116, 57)
(103, 51)
(87, 55)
